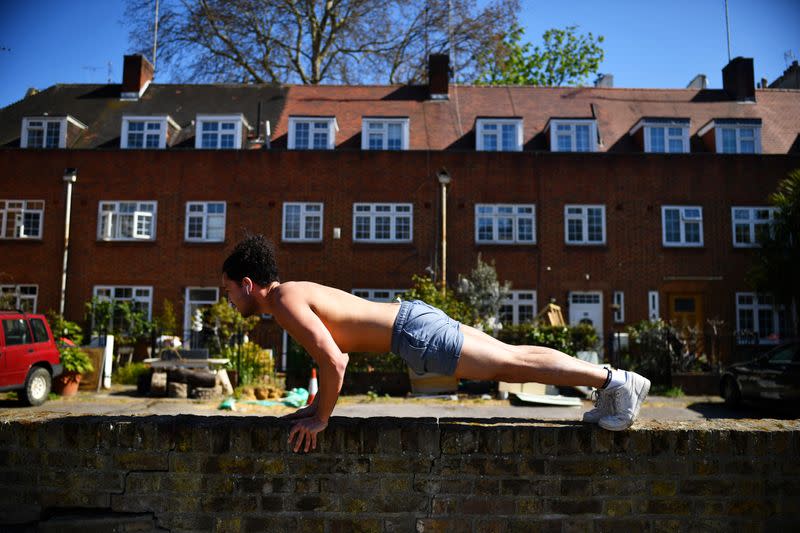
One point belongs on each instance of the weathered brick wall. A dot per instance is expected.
(387, 474)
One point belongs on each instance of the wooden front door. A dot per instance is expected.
(686, 311)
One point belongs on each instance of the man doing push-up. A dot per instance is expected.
(330, 323)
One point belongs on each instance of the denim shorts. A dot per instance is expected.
(426, 338)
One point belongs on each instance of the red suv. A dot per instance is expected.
(28, 356)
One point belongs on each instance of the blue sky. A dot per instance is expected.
(647, 43)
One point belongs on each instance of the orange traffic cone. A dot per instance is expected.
(313, 387)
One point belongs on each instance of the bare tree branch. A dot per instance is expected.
(314, 41)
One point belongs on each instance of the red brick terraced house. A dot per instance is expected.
(617, 204)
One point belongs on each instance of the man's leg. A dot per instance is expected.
(485, 358)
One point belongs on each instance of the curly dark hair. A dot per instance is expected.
(253, 257)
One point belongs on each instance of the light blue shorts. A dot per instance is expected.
(426, 338)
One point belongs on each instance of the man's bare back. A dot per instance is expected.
(356, 325)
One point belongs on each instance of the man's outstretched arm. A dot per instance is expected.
(297, 317)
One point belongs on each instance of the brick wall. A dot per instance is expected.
(255, 183)
(231, 474)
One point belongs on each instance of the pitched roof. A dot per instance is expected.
(448, 124)
(433, 124)
(99, 107)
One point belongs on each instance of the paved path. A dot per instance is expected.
(123, 402)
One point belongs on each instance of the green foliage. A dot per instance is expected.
(253, 362)
(64, 328)
(570, 340)
(373, 362)
(653, 346)
(166, 322)
(779, 254)
(565, 59)
(424, 289)
(99, 313)
(665, 390)
(483, 293)
(583, 337)
(129, 374)
(135, 324)
(228, 323)
(75, 360)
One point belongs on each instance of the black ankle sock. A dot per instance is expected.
(608, 379)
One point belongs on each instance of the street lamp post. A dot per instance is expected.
(70, 177)
(444, 181)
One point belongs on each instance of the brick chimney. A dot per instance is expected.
(439, 76)
(137, 73)
(738, 79)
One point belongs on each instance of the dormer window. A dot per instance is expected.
(572, 135)
(662, 135)
(312, 133)
(220, 132)
(48, 132)
(384, 134)
(732, 136)
(498, 134)
(147, 132)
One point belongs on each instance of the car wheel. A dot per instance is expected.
(731, 392)
(37, 387)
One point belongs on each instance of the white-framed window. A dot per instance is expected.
(380, 295)
(666, 136)
(46, 132)
(682, 225)
(652, 306)
(384, 134)
(23, 297)
(735, 136)
(21, 219)
(505, 223)
(139, 297)
(518, 308)
(126, 221)
(383, 222)
(219, 132)
(196, 298)
(302, 221)
(759, 318)
(585, 224)
(312, 133)
(498, 134)
(205, 221)
(619, 307)
(145, 132)
(573, 135)
(750, 224)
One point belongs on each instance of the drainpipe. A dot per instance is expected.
(70, 177)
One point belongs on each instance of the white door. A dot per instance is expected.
(196, 298)
(587, 308)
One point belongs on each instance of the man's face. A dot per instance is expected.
(237, 295)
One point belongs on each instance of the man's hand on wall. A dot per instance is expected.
(306, 428)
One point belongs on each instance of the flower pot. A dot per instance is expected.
(67, 383)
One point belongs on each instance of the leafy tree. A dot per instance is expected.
(566, 58)
(482, 292)
(779, 255)
(167, 322)
(313, 41)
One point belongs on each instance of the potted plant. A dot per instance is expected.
(76, 362)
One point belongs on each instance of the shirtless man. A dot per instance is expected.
(330, 323)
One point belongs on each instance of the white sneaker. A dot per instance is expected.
(626, 401)
(603, 406)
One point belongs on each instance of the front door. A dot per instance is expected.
(686, 312)
(587, 308)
